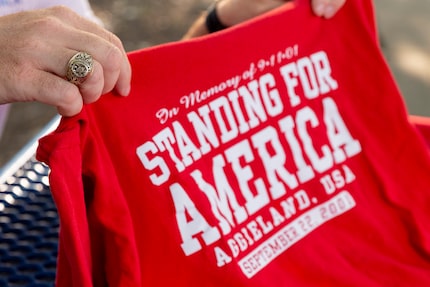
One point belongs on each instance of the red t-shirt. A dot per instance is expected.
(275, 153)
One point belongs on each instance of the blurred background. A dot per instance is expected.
(403, 27)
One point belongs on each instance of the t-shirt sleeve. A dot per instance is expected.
(95, 223)
(61, 151)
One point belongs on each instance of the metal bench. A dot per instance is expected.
(29, 221)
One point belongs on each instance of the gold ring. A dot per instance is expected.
(79, 68)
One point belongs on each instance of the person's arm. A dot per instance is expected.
(232, 12)
(36, 48)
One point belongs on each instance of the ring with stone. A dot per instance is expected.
(79, 68)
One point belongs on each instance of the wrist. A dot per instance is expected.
(233, 12)
(212, 21)
(225, 13)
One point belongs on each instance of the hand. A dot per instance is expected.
(36, 47)
(327, 8)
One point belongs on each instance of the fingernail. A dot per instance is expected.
(329, 11)
(123, 90)
(126, 91)
(319, 9)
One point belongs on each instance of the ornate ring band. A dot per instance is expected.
(79, 68)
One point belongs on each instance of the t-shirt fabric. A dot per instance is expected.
(275, 153)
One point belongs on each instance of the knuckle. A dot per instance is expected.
(31, 36)
(68, 95)
(55, 90)
(65, 95)
(30, 44)
(96, 76)
(47, 23)
(90, 97)
(69, 100)
(114, 39)
(60, 11)
(41, 29)
(91, 88)
(114, 59)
